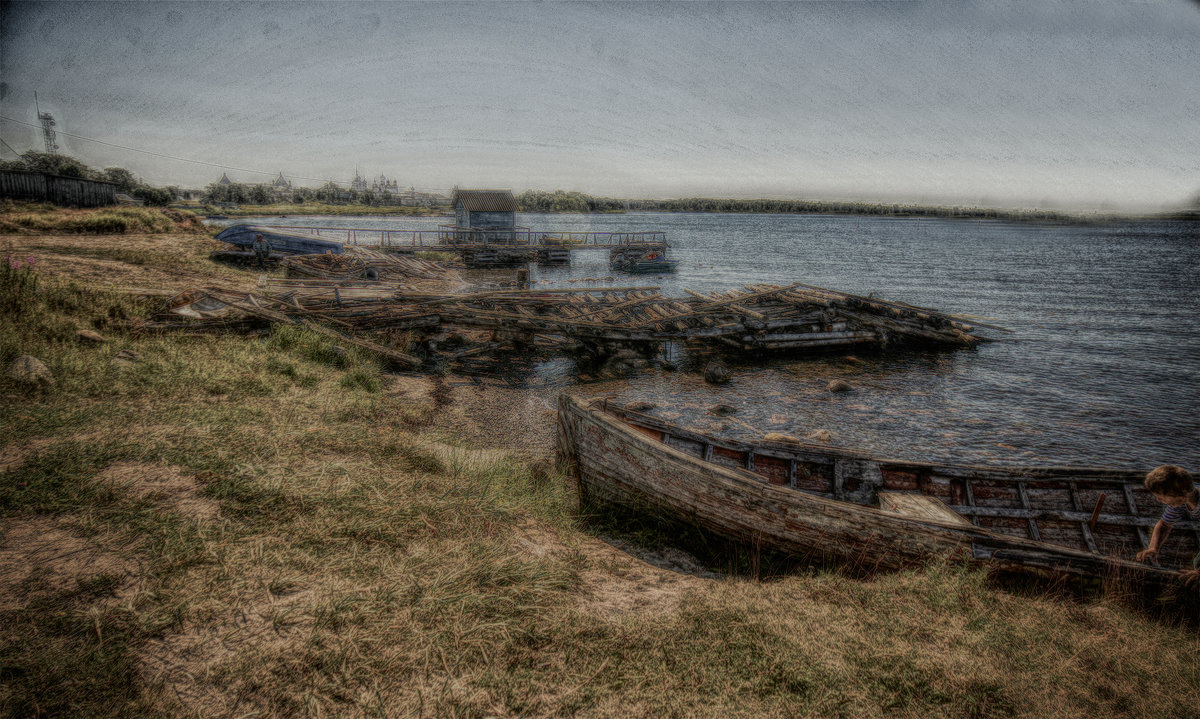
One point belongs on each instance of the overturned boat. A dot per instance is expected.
(821, 502)
(282, 242)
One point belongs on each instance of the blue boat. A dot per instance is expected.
(282, 242)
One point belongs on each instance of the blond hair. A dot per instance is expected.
(1171, 481)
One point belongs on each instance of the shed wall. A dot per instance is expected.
(490, 220)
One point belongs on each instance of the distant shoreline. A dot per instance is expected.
(837, 209)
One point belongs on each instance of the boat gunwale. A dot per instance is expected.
(831, 453)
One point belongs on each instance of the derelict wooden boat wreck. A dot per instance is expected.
(282, 242)
(828, 503)
(641, 261)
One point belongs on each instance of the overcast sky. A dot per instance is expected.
(1071, 104)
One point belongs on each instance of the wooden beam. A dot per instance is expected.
(1062, 515)
(1134, 511)
(1033, 528)
(1083, 526)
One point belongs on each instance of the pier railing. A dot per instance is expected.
(454, 236)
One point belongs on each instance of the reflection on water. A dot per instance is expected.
(1100, 368)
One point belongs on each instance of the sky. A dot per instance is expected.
(1088, 105)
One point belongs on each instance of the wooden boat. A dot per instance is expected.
(822, 502)
(643, 263)
(282, 243)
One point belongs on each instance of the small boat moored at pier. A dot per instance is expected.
(641, 262)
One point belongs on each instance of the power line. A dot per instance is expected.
(10, 147)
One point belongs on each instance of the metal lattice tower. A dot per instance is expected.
(48, 124)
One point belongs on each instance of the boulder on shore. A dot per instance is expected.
(838, 385)
(716, 373)
(820, 435)
(30, 370)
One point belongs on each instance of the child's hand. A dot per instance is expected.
(1147, 554)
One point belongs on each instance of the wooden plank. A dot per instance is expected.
(1062, 515)
(1083, 526)
(970, 499)
(1134, 511)
(919, 506)
(1033, 528)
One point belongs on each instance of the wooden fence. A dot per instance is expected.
(66, 191)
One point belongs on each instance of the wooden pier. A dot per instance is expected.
(489, 246)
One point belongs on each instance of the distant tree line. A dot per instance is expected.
(126, 182)
(240, 193)
(560, 201)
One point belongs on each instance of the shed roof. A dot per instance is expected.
(485, 200)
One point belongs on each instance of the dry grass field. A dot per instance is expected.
(260, 526)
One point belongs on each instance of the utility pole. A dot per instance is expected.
(48, 123)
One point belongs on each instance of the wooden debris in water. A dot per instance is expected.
(758, 318)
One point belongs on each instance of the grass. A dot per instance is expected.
(272, 536)
(46, 218)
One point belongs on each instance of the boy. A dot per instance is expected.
(262, 250)
(1173, 486)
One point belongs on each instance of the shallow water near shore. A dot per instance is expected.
(1100, 367)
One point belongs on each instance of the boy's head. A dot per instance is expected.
(1170, 484)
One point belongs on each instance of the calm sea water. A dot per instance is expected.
(1101, 366)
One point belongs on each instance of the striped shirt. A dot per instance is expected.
(1171, 515)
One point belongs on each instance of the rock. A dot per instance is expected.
(721, 410)
(27, 369)
(639, 406)
(88, 337)
(820, 435)
(851, 359)
(716, 373)
(838, 385)
(625, 354)
(669, 365)
(125, 359)
(339, 350)
(779, 437)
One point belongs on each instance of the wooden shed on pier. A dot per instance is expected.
(485, 215)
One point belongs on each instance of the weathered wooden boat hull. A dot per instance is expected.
(629, 463)
(282, 243)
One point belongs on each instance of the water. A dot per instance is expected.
(1100, 368)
